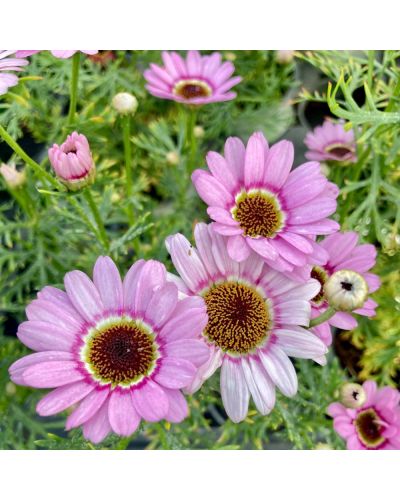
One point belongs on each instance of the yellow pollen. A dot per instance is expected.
(258, 214)
(239, 317)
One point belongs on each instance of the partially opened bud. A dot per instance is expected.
(125, 103)
(73, 162)
(346, 290)
(12, 177)
(352, 395)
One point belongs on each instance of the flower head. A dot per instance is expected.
(346, 290)
(352, 395)
(60, 54)
(264, 207)
(9, 65)
(196, 80)
(125, 103)
(73, 162)
(12, 177)
(331, 141)
(255, 320)
(344, 254)
(118, 350)
(375, 425)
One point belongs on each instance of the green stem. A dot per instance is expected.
(97, 217)
(323, 317)
(38, 169)
(126, 132)
(191, 146)
(74, 88)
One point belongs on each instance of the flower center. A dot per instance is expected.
(368, 428)
(319, 274)
(258, 214)
(339, 150)
(190, 89)
(121, 352)
(239, 318)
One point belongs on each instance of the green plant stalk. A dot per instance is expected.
(323, 317)
(126, 134)
(38, 169)
(97, 217)
(191, 144)
(74, 88)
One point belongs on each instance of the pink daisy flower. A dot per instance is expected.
(331, 141)
(264, 207)
(344, 253)
(8, 65)
(196, 80)
(116, 351)
(373, 426)
(60, 54)
(256, 317)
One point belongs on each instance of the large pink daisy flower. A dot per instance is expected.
(8, 65)
(196, 80)
(120, 351)
(373, 426)
(331, 141)
(263, 206)
(255, 320)
(344, 253)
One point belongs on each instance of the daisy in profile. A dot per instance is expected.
(9, 64)
(263, 206)
(345, 254)
(374, 424)
(256, 317)
(331, 141)
(117, 351)
(195, 80)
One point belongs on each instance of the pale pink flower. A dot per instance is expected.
(72, 161)
(60, 54)
(115, 351)
(331, 141)
(196, 80)
(263, 206)
(9, 65)
(344, 252)
(373, 426)
(256, 317)
(12, 177)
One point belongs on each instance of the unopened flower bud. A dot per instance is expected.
(12, 177)
(198, 132)
(11, 389)
(284, 56)
(73, 162)
(125, 103)
(352, 395)
(172, 158)
(323, 446)
(346, 290)
(230, 56)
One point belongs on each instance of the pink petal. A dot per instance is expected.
(194, 351)
(261, 387)
(221, 171)
(150, 276)
(222, 216)
(63, 397)
(83, 295)
(122, 415)
(17, 369)
(343, 320)
(178, 409)
(211, 191)
(42, 336)
(294, 312)
(203, 241)
(56, 314)
(263, 247)
(52, 374)
(312, 211)
(175, 373)
(87, 408)
(280, 369)
(98, 427)
(279, 163)
(150, 402)
(108, 282)
(162, 304)
(254, 162)
(238, 249)
(234, 391)
(130, 283)
(234, 154)
(300, 343)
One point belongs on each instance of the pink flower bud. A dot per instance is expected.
(12, 177)
(73, 162)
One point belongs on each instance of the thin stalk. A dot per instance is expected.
(323, 317)
(97, 217)
(73, 99)
(126, 134)
(38, 169)
(191, 145)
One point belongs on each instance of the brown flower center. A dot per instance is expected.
(190, 89)
(368, 428)
(120, 353)
(239, 319)
(258, 214)
(339, 150)
(319, 274)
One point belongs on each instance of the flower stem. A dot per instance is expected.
(38, 169)
(74, 87)
(191, 146)
(97, 217)
(323, 317)
(126, 131)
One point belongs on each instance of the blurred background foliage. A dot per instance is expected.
(53, 232)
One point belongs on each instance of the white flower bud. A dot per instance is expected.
(172, 158)
(284, 56)
(198, 132)
(125, 103)
(352, 395)
(12, 177)
(346, 290)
